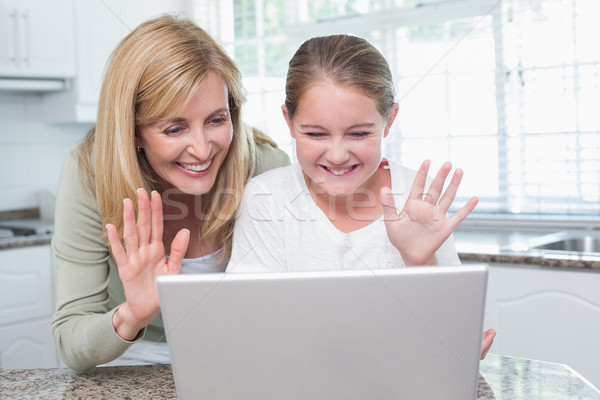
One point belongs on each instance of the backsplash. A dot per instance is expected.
(31, 152)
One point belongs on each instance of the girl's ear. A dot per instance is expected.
(392, 117)
(288, 120)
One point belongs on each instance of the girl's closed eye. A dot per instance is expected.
(359, 135)
(314, 134)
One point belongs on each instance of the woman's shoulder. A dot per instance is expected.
(269, 157)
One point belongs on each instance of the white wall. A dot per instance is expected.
(31, 151)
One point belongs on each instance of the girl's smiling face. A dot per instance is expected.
(187, 149)
(339, 133)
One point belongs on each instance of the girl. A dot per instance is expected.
(336, 208)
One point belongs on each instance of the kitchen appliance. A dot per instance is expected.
(30, 226)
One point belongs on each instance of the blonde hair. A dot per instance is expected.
(344, 59)
(152, 72)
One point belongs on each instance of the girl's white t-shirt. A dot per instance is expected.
(280, 228)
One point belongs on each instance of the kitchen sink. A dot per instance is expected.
(578, 242)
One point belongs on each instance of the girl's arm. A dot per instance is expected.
(422, 226)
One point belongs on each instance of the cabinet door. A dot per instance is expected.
(550, 315)
(37, 39)
(26, 284)
(99, 27)
(28, 345)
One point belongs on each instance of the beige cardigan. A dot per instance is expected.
(88, 284)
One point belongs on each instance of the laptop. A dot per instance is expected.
(403, 333)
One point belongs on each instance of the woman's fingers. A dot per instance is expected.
(115, 245)
(178, 249)
(143, 219)
(130, 236)
(157, 217)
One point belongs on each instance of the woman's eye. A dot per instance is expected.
(173, 130)
(219, 120)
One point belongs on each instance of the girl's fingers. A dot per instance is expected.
(418, 188)
(130, 236)
(390, 213)
(450, 193)
(435, 190)
(461, 214)
(178, 249)
(115, 245)
(157, 217)
(143, 219)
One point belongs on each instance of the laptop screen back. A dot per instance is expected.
(406, 333)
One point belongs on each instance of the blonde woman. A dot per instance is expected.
(169, 121)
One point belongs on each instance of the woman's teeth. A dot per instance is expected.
(196, 167)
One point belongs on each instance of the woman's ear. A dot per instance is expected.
(391, 118)
(286, 115)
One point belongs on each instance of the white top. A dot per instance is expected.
(202, 265)
(280, 228)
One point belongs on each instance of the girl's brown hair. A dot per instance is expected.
(344, 59)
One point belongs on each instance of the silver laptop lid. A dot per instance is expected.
(406, 333)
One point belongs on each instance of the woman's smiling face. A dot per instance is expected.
(187, 149)
(339, 133)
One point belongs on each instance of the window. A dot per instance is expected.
(508, 90)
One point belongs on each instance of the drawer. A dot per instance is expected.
(26, 283)
(28, 345)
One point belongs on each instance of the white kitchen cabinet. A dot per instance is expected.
(36, 39)
(546, 314)
(27, 303)
(99, 27)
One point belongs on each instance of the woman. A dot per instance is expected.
(169, 121)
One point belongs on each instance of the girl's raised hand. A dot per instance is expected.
(142, 260)
(422, 226)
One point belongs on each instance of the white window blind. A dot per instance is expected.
(508, 90)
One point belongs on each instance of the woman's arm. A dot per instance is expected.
(82, 325)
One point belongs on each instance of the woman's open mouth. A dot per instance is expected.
(195, 167)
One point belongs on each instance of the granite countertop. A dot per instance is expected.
(501, 378)
(507, 245)
(481, 240)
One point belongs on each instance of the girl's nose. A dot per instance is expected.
(337, 153)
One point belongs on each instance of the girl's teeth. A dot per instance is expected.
(339, 172)
(196, 168)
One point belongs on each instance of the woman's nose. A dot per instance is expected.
(199, 145)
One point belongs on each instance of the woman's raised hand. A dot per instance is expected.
(422, 226)
(142, 260)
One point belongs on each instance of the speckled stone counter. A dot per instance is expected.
(509, 246)
(502, 378)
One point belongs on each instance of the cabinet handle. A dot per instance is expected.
(25, 36)
(12, 52)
